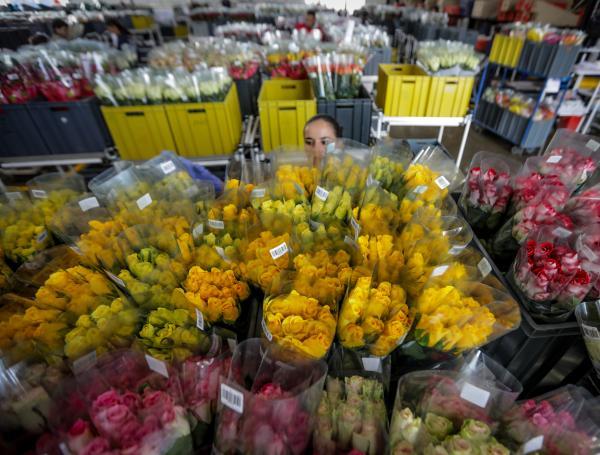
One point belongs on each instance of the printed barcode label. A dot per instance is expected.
(372, 364)
(593, 145)
(279, 250)
(88, 204)
(144, 201)
(321, 193)
(590, 332)
(198, 231)
(372, 181)
(533, 445)
(554, 159)
(355, 227)
(420, 189)
(158, 366)
(85, 362)
(587, 251)
(216, 224)
(42, 236)
(442, 182)
(12, 77)
(199, 319)
(232, 398)
(116, 279)
(258, 193)
(475, 395)
(221, 252)
(439, 270)
(266, 330)
(456, 249)
(14, 195)
(40, 194)
(167, 167)
(484, 267)
(561, 232)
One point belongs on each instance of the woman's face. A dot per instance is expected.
(317, 135)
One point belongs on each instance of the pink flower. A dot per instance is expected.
(270, 390)
(128, 434)
(106, 400)
(132, 400)
(96, 446)
(79, 435)
(111, 421)
(156, 402)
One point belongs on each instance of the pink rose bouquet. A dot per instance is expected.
(584, 207)
(529, 185)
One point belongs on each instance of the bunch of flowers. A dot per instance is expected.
(572, 167)
(391, 157)
(336, 75)
(23, 231)
(351, 417)
(382, 254)
(378, 213)
(331, 205)
(345, 167)
(374, 318)
(584, 207)
(305, 176)
(529, 185)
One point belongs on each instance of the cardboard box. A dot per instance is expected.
(547, 13)
(484, 9)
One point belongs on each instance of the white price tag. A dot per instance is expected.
(266, 330)
(590, 332)
(442, 182)
(233, 399)
(116, 279)
(438, 271)
(554, 159)
(39, 194)
(12, 77)
(216, 224)
(42, 236)
(372, 364)
(88, 204)
(158, 366)
(475, 395)
(561, 232)
(221, 252)
(14, 195)
(144, 201)
(322, 193)
(355, 227)
(85, 362)
(198, 231)
(199, 319)
(279, 250)
(258, 193)
(167, 167)
(484, 267)
(533, 445)
(593, 145)
(420, 189)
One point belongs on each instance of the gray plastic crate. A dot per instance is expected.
(353, 115)
(377, 55)
(426, 32)
(547, 60)
(19, 136)
(71, 127)
(248, 91)
(537, 135)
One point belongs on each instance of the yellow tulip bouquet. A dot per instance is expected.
(14, 343)
(378, 213)
(296, 167)
(382, 255)
(390, 160)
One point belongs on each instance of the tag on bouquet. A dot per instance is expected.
(355, 227)
(216, 224)
(438, 271)
(561, 232)
(554, 159)
(39, 194)
(442, 182)
(266, 330)
(372, 364)
(533, 445)
(484, 267)
(116, 279)
(279, 251)
(233, 399)
(144, 201)
(590, 331)
(158, 366)
(593, 145)
(221, 252)
(85, 362)
(420, 189)
(198, 231)
(258, 193)
(167, 167)
(88, 204)
(322, 193)
(199, 319)
(475, 395)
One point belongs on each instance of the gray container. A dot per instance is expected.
(547, 60)
(19, 136)
(537, 135)
(353, 115)
(450, 33)
(71, 127)
(248, 90)
(426, 32)
(377, 55)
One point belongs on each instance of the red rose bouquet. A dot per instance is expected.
(529, 184)
(16, 81)
(584, 207)
(588, 248)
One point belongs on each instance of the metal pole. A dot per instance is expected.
(463, 141)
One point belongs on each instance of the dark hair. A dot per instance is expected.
(337, 129)
(116, 23)
(312, 12)
(39, 38)
(58, 23)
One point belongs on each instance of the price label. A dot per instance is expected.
(554, 159)
(221, 252)
(158, 366)
(88, 204)
(442, 182)
(372, 364)
(279, 250)
(85, 362)
(233, 399)
(39, 194)
(533, 445)
(199, 319)
(258, 193)
(475, 395)
(590, 332)
(266, 330)
(593, 145)
(484, 267)
(12, 77)
(322, 193)
(355, 227)
(561, 232)
(144, 201)
(14, 195)
(420, 189)
(167, 167)
(438, 271)
(198, 231)
(216, 224)
(116, 279)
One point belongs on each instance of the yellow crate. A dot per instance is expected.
(139, 132)
(449, 96)
(506, 50)
(142, 22)
(180, 31)
(589, 82)
(284, 106)
(402, 90)
(496, 50)
(203, 129)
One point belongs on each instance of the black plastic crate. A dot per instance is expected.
(19, 136)
(377, 55)
(248, 91)
(353, 115)
(71, 127)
